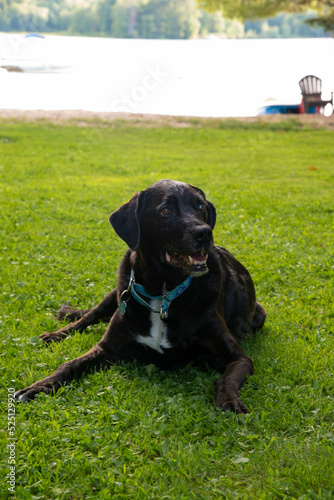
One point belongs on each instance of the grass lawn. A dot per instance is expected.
(134, 432)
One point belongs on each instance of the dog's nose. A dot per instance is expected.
(203, 234)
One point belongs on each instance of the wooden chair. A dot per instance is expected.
(310, 86)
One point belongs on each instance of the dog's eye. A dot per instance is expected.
(166, 211)
(202, 207)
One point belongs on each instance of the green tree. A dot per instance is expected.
(325, 19)
(211, 22)
(4, 4)
(251, 9)
(104, 16)
(168, 19)
(282, 26)
(120, 15)
(83, 22)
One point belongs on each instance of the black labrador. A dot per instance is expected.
(179, 299)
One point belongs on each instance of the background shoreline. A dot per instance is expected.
(84, 117)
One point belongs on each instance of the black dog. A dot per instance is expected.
(179, 298)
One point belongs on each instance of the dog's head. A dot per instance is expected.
(170, 222)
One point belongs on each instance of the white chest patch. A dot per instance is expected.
(157, 339)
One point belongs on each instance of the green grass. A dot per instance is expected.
(135, 432)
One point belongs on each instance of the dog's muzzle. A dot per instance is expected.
(193, 262)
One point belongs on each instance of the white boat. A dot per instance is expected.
(27, 54)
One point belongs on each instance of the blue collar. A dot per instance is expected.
(165, 299)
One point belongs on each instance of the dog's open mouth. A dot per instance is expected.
(195, 264)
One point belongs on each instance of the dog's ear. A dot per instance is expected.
(210, 207)
(211, 214)
(126, 220)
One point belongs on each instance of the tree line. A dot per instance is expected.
(164, 19)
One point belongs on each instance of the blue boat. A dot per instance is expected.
(284, 109)
(34, 35)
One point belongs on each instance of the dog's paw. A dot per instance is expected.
(30, 392)
(49, 337)
(232, 404)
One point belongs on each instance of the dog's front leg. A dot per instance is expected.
(95, 358)
(230, 360)
(228, 385)
(105, 308)
(100, 356)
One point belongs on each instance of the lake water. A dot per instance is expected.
(212, 77)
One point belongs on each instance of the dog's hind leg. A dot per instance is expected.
(103, 312)
(259, 318)
(69, 314)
